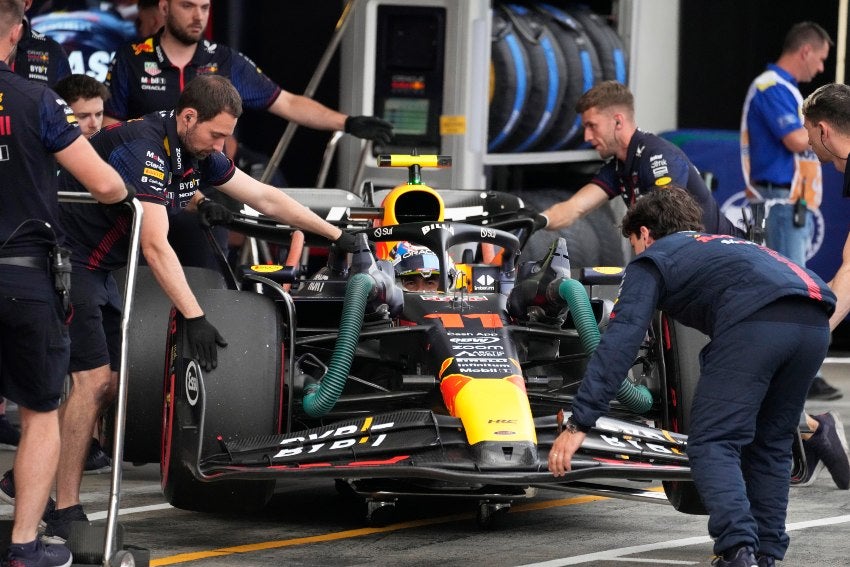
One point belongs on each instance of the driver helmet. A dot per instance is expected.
(417, 267)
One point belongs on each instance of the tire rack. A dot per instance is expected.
(111, 556)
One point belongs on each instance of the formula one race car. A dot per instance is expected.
(457, 393)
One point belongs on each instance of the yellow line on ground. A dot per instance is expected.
(248, 548)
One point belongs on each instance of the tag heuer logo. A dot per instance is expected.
(152, 69)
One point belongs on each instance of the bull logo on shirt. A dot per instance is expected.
(1, 101)
(144, 47)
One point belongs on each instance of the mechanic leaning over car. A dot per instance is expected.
(768, 320)
(165, 156)
(148, 75)
(37, 130)
(642, 162)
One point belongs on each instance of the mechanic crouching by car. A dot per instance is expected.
(164, 156)
(768, 320)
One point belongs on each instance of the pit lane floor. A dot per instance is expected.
(310, 523)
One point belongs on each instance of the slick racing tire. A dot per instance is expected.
(681, 346)
(146, 356)
(240, 397)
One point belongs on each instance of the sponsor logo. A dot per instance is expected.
(661, 181)
(154, 173)
(152, 69)
(336, 438)
(634, 443)
(315, 285)
(144, 47)
(475, 340)
(4, 153)
(193, 387)
(488, 233)
(383, 231)
(486, 280)
(209, 69)
(444, 298)
(437, 226)
(1, 101)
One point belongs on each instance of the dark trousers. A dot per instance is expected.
(752, 389)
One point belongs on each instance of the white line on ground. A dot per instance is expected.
(614, 554)
(127, 511)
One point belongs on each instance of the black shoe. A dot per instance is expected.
(820, 390)
(766, 560)
(59, 523)
(36, 554)
(10, 436)
(743, 556)
(97, 461)
(829, 445)
(7, 495)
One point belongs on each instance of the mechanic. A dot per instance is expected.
(641, 163)
(38, 57)
(85, 96)
(416, 267)
(783, 176)
(147, 76)
(149, 18)
(165, 156)
(768, 323)
(37, 132)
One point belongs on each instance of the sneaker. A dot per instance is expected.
(36, 554)
(97, 461)
(820, 390)
(743, 556)
(830, 446)
(10, 436)
(59, 523)
(7, 495)
(766, 560)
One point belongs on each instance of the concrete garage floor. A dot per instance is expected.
(311, 524)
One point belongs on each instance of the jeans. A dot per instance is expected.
(780, 233)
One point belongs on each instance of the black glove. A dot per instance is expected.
(540, 220)
(203, 338)
(212, 213)
(369, 127)
(115, 210)
(346, 242)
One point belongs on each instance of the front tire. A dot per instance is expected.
(680, 346)
(241, 397)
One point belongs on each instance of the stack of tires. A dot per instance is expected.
(543, 59)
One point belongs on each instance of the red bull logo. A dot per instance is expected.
(144, 47)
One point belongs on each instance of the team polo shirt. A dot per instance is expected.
(653, 162)
(771, 111)
(40, 58)
(705, 281)
(35, 123)
(141, 79)
(148, 155)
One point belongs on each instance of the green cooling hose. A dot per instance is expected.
(320, 398)
(637, 398)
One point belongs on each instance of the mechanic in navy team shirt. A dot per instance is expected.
(149, 74)
(38, 57)
(37, 130)
(639, 162)
(768, 323)
(165, 156)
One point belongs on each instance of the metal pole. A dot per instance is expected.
(283, 144)
(841, 42)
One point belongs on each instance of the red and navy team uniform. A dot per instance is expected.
(148, 155)
(653, 162)
(34, 124)
(40, 58)
(141, 79)
(768, 323)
